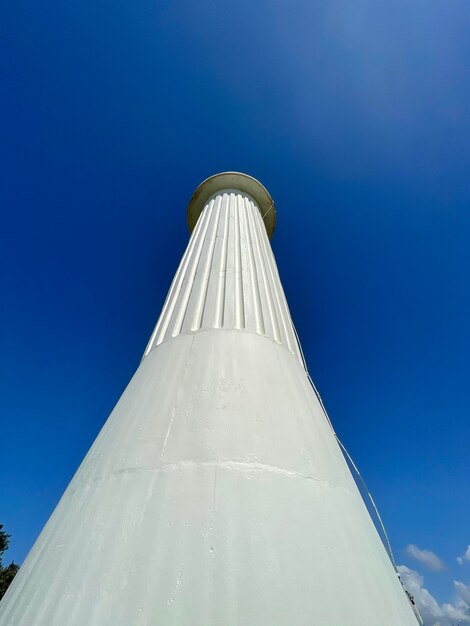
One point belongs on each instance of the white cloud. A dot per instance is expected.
(464, 557)
(426, 557)
(431, 611)
(463, 591)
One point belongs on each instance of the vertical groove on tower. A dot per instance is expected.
(222, 268)
(227, 278)
(277, 289)
(192, 274)
(268, 288)
(239, 305)
(162, 326)
(258, 310)
(204, 279)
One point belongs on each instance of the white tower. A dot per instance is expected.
(216, 493)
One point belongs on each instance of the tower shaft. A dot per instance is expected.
(216, 493)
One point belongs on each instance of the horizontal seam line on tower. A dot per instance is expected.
(232, 466)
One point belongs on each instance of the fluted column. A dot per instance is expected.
(227, 278)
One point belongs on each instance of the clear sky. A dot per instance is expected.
(356, 117)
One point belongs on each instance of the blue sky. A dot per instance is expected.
(356, 116)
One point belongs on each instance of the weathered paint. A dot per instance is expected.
(216, 493)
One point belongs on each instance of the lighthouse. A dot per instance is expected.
(216, 493)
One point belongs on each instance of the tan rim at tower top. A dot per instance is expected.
(236, 181)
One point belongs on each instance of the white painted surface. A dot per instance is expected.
(215, 494)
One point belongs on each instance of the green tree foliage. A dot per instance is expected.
(7, 572)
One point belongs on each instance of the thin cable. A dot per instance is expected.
(348, 457)
(269, 209)
(346, 453)
(389, 547)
